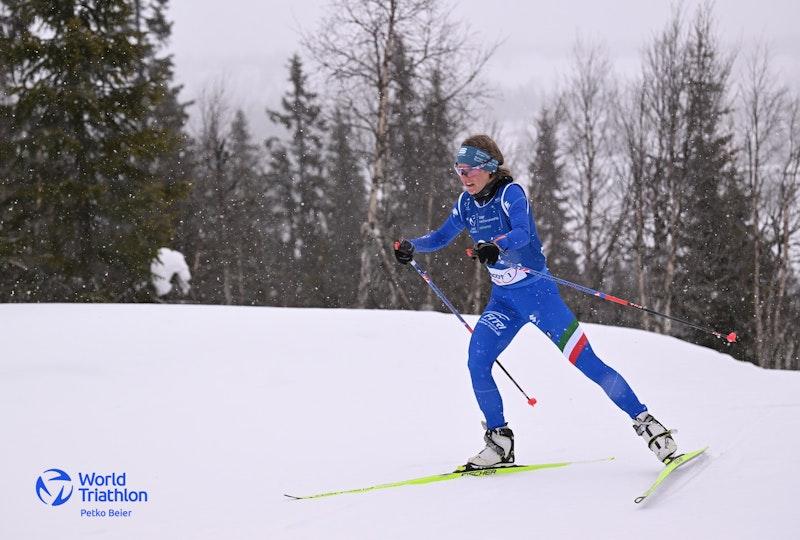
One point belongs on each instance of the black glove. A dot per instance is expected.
(487, 252)
(403, 251)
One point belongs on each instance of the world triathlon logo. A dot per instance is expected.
(54, 487)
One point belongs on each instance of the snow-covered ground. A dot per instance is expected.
(215, 412)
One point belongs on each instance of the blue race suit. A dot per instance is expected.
(518, 298)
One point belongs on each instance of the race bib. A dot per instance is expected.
(506, 276)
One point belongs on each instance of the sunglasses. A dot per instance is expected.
(466, 170)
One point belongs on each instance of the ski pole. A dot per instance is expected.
(424, 275)
(728, 338)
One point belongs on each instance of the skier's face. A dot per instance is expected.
(472, 178)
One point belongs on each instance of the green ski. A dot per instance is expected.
(458, 473)
(669, 469)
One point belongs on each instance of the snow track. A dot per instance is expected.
(216, 412)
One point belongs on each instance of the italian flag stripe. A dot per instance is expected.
(578, 349)
(567, 335)
(573, 341)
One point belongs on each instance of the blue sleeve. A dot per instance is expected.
(516, 206)
(436, 240)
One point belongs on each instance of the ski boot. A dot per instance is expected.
(658, 438)
(499, 451)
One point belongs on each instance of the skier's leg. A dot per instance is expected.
(551, 315)
(494, 331)
(614, 385)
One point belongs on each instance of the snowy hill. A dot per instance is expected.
(213, 413)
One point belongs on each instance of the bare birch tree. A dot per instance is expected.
(655, 135)
(597, 195)
(785, 226)
(634, 126)
(777, 308)
(762, 107)
(355, 49)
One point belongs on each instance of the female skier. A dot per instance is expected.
(496, 213)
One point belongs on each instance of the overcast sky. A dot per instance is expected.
(246, 43)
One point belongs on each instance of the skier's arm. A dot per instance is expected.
(436, 240)
(519, 214)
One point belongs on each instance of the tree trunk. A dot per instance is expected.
(429, 226)
(755, 218)
(226, 284)
(371, 230)
(240, 274)
(639, 250)
(476, 293)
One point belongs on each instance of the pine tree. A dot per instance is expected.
(84, 198)
(7, 259)
(301, 188)
(249, 212)
(405, 173)
(436, 194)
(346, 191)
(208, 228)
(223, 222)
(168, 114)
(281, 203)
(405, 190)
(711, 269)
(547, 199)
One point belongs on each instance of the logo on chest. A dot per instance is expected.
(482, 222)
